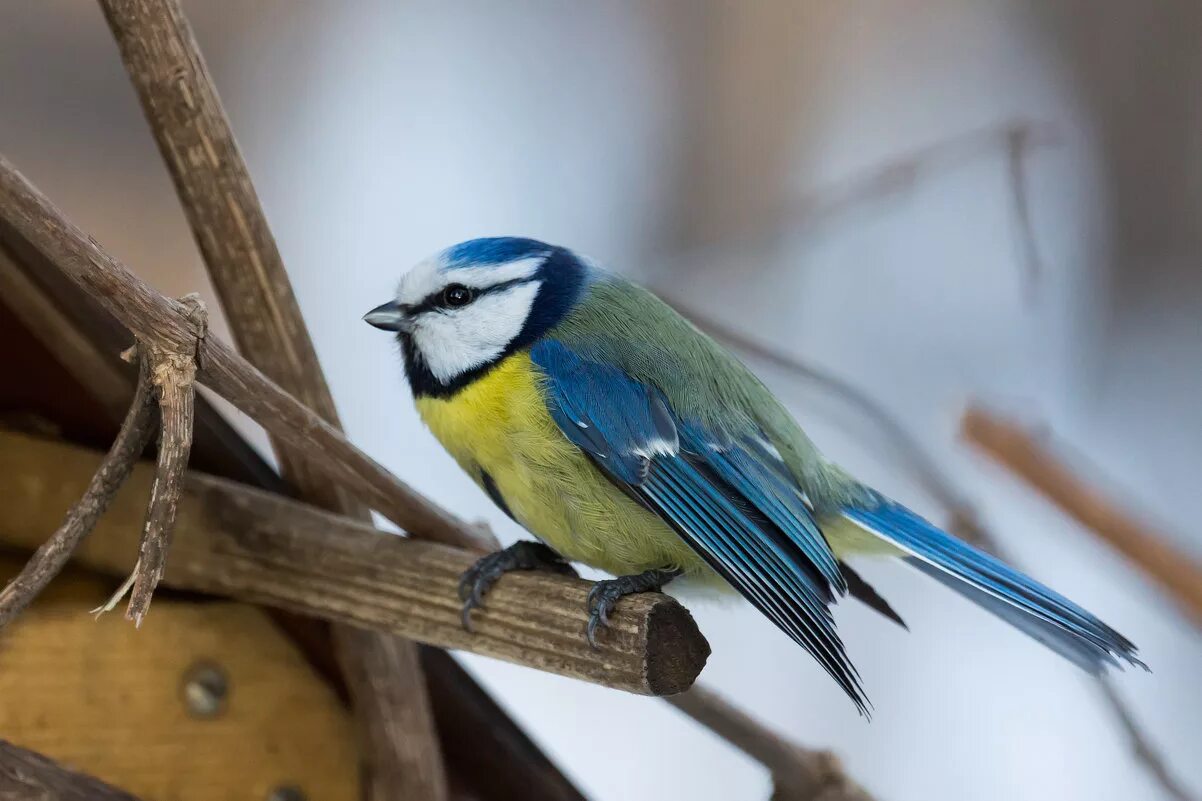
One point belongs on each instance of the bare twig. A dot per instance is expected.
(173, 375)
(28, 775)
(1016, 450)
(264, 548)
(798, 774)
(52, 555)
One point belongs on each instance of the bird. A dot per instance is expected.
(622, 437)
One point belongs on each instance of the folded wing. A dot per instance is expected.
(724, 492)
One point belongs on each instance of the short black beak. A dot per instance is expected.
(387, 317)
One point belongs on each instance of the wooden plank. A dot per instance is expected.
(255, 546)
(206, 700)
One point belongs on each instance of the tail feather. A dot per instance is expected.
(1034, 609)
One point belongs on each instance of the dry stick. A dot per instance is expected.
(53, 554)
(1017, 451)
(799, 774)
(25, 775)
(963, 518)
(185, 114)
(173, 375)
(28, 217)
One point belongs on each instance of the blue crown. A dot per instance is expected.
(494, 250)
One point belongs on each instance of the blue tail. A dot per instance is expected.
(1021, 601)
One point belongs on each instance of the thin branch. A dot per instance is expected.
(798, 774)
(53, 554)
(257, 546)
(25, 775)
(1016, 450)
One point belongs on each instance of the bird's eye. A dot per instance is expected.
(457, 295)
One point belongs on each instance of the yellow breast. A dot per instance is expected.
(499, 425)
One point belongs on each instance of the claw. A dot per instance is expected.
(478, 579)
(605, 594)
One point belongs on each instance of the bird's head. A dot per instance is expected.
(461, 311)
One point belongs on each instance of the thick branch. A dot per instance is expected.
(181, 103)
(52, 555)
(1178, 574)
(194, 136)
(260, 547)
(28, 775)
(799, 774)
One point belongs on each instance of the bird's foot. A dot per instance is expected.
(479, 578)
(605, 594)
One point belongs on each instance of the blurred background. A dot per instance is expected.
(936, 201)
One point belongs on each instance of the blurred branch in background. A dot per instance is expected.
(798, 774)
(1015, 140)
(1019, 452)
(963, 518)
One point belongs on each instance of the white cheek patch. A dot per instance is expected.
(454, 341)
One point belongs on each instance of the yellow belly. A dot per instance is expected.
(499, 424)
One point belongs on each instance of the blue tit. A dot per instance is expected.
(620, 436)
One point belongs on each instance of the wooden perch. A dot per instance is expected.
(798, 774)
(1016, 450)
(259, 547)
(166, 67)
(28, 775)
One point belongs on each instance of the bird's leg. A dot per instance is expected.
(479, 578)
(606, 593)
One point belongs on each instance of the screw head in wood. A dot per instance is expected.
(287, 792)
(205, 690)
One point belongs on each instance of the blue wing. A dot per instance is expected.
(725, 493)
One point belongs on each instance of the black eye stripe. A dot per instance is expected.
(434, 301)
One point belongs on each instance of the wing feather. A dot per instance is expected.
(719, 491)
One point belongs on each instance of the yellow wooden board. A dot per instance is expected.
(110, 700)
